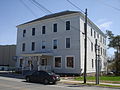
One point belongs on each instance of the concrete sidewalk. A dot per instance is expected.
(80, 82)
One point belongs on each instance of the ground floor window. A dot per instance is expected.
(70, 62)
(58, 62)
(44, 62)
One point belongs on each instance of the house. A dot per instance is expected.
(7, 54)
(56, 42)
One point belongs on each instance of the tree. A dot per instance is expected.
(114, 42)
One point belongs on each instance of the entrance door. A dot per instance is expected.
(44, 62)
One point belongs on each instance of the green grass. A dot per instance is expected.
(102, 78)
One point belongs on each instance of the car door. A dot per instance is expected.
(35, 76)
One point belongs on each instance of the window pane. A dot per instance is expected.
(54, 44)
(43, 44)
(67, 25)
(23, 47)
(43, 29)
(57, 61)
(55, 27)
(24, 32)
(91, 31)
(67, 42)
(70, 62)
(33, 31)
(92, 63)
(91, 46)
(33, 46)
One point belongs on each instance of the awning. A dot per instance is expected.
(37, 54)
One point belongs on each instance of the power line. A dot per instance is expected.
(75, 6)
(28, 8)
(118, 9)
(41, 6)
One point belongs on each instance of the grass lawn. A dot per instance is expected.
(114, 79)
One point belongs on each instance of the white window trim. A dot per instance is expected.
(53, 26)
(65, 42)
(53, 44)
(54, 62)
(73, 61)
(65, 25)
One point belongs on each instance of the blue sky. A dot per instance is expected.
(14, 12)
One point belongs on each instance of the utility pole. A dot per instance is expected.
(85, 57)
(97, 54)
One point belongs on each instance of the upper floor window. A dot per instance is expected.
(91, 46)
(55, 44)
(67, 42)
(33, 31)
(23, 47)
(67, 25)
(91, 31)
(24, 32)
(33, 46)
(43, 29)
(55, 27)
(97, 35)
(94, 34)
(43, 44)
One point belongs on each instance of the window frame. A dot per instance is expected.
(55, 28)
(44, 45)
(54, 62)
(43, 29)
(24, 32)
(73, 61)
(33, 46)
(66, 42)
(67, 28)
(23, 47)
(53, 44)
(33, 31)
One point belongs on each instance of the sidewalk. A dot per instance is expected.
(71, 81)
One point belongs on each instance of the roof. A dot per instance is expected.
(61, 14)
(51, 16)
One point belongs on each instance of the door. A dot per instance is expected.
(44, 62)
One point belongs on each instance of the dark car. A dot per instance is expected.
(43, 77)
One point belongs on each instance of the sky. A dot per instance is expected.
(104, 13)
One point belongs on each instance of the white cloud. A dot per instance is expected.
(105, 25)
(101, 20)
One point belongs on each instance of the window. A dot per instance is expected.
(91, 31)
(94, 34)
(44, 62)
(92, 63)
(21, 62)
(54, 44)
(43, 29)
(67, 25)
(97, 35)
(67, 42)
(58, 62)
(91, 46)
(43, 44)
(70, 62)
(101, 50)
(23, 47)
(33, 31)
(33, 46)
(55, 27)
(100, 38)
(24, 32)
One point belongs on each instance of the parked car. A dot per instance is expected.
(42, 76)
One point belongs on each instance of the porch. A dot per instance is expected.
(36, 61)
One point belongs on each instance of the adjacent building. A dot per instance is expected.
(56, 42)
(7, 54)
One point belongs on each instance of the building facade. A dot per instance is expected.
(56, 42)
(7, 54)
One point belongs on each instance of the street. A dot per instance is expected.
(20, 84)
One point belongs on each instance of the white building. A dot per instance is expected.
(56, 42)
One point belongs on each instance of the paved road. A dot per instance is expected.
(20, 84)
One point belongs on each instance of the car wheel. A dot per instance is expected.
(28, 79)
(46, 81)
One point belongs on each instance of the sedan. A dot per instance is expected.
(42, 76)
